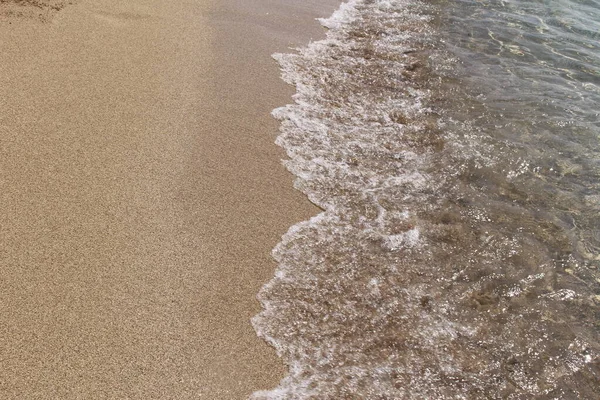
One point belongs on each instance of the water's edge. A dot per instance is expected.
(429, 254)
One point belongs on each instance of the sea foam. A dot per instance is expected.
(408, 285)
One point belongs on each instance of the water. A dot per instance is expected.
(454, 147)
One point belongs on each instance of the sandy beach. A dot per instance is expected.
(140, 196)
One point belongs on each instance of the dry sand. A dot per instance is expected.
(140, 196)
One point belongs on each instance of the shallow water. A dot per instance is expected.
(454, 147)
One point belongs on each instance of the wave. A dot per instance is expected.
(414, 279)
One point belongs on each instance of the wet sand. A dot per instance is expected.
(140, 196)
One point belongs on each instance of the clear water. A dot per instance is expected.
(454, 147)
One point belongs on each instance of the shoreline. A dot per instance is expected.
(142, 196)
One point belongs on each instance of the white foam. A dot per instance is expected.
(357, 303)
(406, 239)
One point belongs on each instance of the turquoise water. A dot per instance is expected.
(454, 147)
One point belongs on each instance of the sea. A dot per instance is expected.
(454, 149)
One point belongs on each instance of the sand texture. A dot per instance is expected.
(140, 196)
(42, 10)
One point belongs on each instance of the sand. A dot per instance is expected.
(140, 196)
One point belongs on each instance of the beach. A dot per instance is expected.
(152, 244)
(141, 194)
